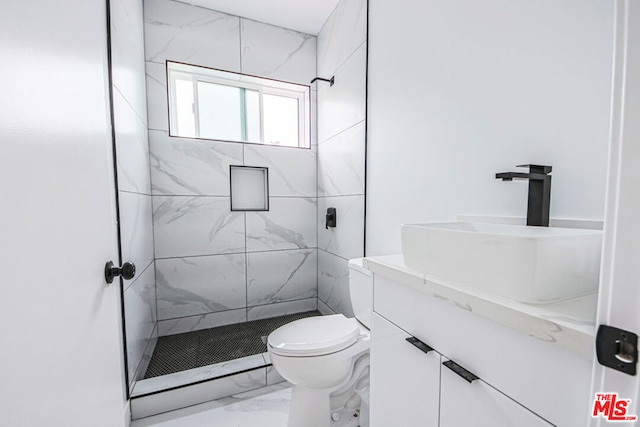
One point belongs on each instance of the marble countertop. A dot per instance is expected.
(569, 324)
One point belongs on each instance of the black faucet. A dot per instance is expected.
(539, 192)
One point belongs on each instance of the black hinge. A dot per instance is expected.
(617, 349)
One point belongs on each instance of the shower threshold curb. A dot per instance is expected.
(194, 376)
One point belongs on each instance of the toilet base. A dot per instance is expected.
(314, 407)
(309, 407)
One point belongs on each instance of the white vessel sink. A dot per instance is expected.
(535, 265)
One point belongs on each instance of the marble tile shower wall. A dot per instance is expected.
(341, 150)
(214, 266)
(134, 183)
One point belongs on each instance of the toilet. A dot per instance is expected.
(326, 358)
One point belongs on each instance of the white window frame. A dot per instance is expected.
(301, 93)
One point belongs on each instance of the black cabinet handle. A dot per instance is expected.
(419, 344)
(468, 376)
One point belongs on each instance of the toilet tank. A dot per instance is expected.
(361, 291)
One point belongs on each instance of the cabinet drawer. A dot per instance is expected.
(552, 382)
(477, 404)
(405, 381)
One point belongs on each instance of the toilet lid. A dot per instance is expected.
(314, 336)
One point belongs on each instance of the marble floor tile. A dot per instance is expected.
(265, 407)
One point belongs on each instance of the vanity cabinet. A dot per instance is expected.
(411, 387)
(523, 381)
(477, 404)
(407, 380)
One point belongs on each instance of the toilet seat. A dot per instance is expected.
(314, 336)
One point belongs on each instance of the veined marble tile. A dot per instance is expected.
(157, 103)
(255, 393)
(199, 285)
(146, 358)
(265, 407)
(324, 308)
(140, 317)
(278, 276)
(347, 239)
(333, 283)
(181, 32)
(136, 229)
(190, 376)
(343, 105)
(202, 321)
(146, 406)
(281, 308)
(292, 171)
(127, 53)
(273, 376)
(132, 145)
(181, 166)
(278, 53)
(185, 226)
(341, 163)
(343, 32)
(290, 223)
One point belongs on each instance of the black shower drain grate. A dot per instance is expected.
(189, 350)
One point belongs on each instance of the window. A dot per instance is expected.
(213, 104)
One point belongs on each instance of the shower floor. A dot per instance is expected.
(189, 350)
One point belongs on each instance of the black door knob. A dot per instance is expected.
(127, 271)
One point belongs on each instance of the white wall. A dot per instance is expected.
(60, 335)
(342, 48)
(460, 90)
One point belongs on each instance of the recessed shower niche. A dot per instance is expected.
(249, 188)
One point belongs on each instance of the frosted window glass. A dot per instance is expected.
(280, 120)
(249, 189)
(220, 112)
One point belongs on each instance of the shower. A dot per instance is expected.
(228, 233)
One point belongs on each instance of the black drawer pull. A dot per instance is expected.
(460, 371)
(419, 344)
